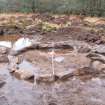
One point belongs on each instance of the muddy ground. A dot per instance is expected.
(64, 65)
(54, 27)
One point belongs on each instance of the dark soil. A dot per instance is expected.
(76, 33)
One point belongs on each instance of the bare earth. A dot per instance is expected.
(78, 66)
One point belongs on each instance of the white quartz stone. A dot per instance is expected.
(59, 59)
(21, 44)
(6, 44)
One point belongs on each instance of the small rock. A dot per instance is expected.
(19, 59)
(84, 50)
(46, 78)
(30, 27)
(14, 61)
(99, 49)
(3, 50)
(59, 59)
(97, 65)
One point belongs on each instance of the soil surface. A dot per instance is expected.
(61, 66)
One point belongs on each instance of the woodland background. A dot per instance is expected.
(84, 7)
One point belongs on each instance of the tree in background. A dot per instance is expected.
(86, 7)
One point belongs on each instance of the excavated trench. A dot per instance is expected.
(58, 73)
(64, 71)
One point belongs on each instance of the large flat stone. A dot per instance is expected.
(66, 74)
(26, 70)
(22, 44)
(47, 78)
